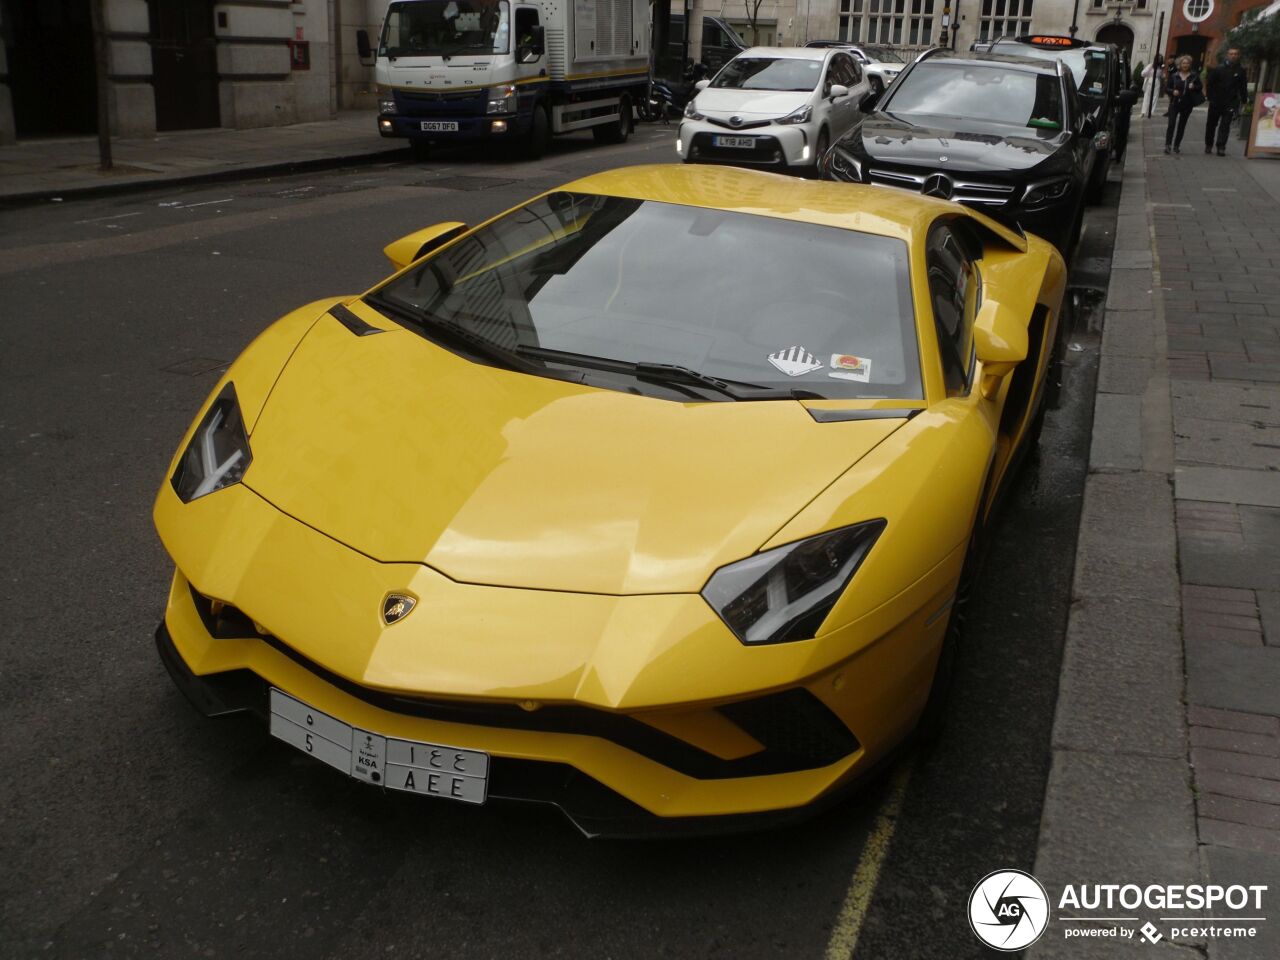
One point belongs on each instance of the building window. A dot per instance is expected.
(1197, 11)
(1005, 18)
(894, 22)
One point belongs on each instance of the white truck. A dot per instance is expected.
(508, 71)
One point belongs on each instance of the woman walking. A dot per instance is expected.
(1186, 92)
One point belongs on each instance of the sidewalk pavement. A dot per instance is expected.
(42, 169)
(1166, 740)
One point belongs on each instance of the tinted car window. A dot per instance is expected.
(844, 70)
(768, 73)
(746, 298)
(953, 290)
(982, 91)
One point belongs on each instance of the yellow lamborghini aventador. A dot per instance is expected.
(652, 498)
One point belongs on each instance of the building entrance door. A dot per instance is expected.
(184, 64)
(49, 46)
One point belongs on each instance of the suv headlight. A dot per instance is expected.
(840, 164)
(691, 112)
(502, 99)
(800, 116)
(219, 451)
(784, 594)
(1046, 191)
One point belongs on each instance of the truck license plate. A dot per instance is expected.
(439, 126)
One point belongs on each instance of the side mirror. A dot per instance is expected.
(418, 244)
(1128, 97)
(526, 54)
(868, 101)
(362, 45)
(702, 85)
(838, 90)
(1000, 341)
(538, 33)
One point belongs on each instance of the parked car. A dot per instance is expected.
(1004, 135)
(773, 107)
(655, 498)
(1103, 82)
(720, 42)
(881, 64)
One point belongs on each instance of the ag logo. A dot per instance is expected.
(396, 606)
(1008, 910)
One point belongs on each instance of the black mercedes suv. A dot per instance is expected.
(1004, 135)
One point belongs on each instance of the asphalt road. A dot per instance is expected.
(130, 826)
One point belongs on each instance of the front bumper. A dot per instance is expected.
(778, 146)
(471, 129)
(747, 755)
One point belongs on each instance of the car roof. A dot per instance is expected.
(787, 53)
(868, 209)
(1018, 41)
(1027, 63)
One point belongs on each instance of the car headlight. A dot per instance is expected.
(1046, 191)
(691, 112)
(386, 106)
(840, 164)
(219, 451)
(502, 99)
(800, 116)
(784, 594)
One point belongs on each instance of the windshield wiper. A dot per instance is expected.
(478, 345)
(670, 374)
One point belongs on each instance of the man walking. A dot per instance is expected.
(1227, 90)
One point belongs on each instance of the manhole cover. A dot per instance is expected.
(464, 183)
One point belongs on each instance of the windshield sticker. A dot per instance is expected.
(795, 361)
(845, 366)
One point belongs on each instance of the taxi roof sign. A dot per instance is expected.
(1048, 40)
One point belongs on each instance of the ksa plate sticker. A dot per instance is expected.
(795, 361)
(845, 366)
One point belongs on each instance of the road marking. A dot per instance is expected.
(114, 216)
(188, 206)
(848, 925)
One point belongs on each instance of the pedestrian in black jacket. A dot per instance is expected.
(1185, 93)
(1227, 88)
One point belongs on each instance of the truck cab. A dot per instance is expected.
(505, 72)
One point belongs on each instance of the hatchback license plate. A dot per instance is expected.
(440, 126)
(738, 143)
(411, 765)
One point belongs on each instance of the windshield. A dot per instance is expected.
(1088, 64)
(434, 28)
(770, 303)
(979, 91)
(768, 73)
(883, 55)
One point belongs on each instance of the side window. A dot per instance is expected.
(950, 255)
(526, 20)
(712, 36)
(850, 72)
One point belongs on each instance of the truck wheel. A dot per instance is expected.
(539, 135)
(620, 129)
(421, 150)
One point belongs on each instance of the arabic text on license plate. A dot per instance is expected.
(440, 126)
(430, 768)
(742, 143)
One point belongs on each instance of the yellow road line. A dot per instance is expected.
(844, 935)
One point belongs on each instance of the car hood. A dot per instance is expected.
(752, 103)
(975, 147)
(408, 453)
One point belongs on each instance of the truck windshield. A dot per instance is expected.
(445, 28)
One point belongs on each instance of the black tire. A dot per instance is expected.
(620, 129)
(539, 136)
(933, 717)
(1097, 179)
(421, 150)
(648, 112)
(819, 150)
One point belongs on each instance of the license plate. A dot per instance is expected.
(411, 765)
(739, 143)
(440, 126)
